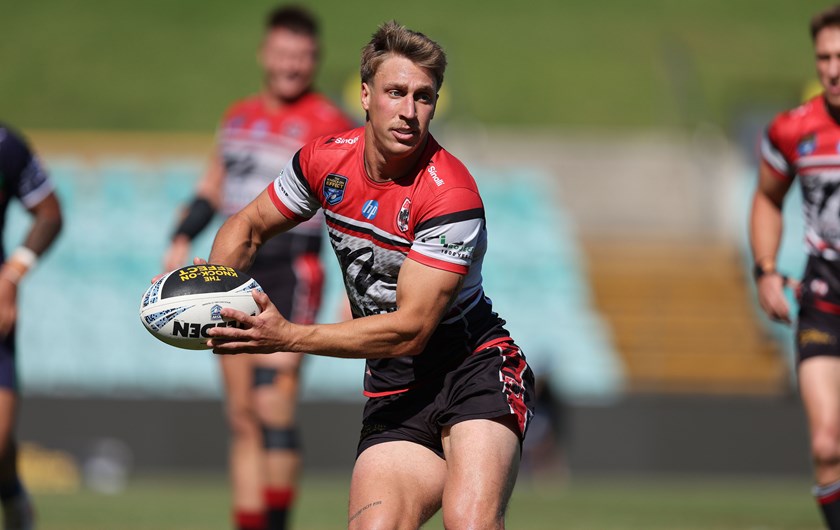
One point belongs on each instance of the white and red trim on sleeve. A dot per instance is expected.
(774, 158)
(291, 193)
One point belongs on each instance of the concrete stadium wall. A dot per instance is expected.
(638, 435)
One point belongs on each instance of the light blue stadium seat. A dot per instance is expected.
(120, 214)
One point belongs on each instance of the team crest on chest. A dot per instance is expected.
(334, 188)
(402, 216)
(807, 145)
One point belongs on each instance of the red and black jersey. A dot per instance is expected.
(434, 216)
(805, 143)
(256, 140)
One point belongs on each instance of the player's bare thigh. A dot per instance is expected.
(396, 486)
(819, 384)
(482, 459)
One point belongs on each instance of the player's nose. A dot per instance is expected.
(409, 108)
(834, 67)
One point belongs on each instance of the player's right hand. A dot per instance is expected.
(177, 255)
(771, 297)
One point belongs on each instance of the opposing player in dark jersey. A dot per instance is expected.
(256, 138)
(22, 177)
(804, 144)
(449, 391)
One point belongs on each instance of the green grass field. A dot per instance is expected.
(162, 65)
(585, 504)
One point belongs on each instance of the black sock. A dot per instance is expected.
(829, 498)
(278, 502)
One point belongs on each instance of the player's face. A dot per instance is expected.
(289, 62)
(400, 103)
(827, 50)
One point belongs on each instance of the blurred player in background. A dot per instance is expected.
(23, 178)
(805, 143)
(449, 391)
(256, 137)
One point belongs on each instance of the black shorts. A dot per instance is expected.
(491, 383)
(293, 284)
(8, 368)
(818, 326)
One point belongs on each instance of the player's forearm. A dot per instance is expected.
(372, 337)
(46, 226)
(765, 228)
(235, 244)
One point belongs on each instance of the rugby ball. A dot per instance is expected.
(181, 306)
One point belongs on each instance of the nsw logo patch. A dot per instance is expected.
(334, 186)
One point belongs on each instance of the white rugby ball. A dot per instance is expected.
(181, 306)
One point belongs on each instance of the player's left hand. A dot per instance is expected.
(8, 307)
(265, 333)
(196, 261)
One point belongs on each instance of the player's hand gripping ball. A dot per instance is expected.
(181, 306)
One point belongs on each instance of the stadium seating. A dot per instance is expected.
(683, 317)
(120, 211)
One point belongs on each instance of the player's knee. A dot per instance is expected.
(242, 422)
(466, 515)
(825, 447)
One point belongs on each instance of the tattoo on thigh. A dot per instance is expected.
(363, 509)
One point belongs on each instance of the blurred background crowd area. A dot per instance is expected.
(614, 144)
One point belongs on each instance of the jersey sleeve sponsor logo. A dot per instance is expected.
(451, 239)
(370, 209)
(402, 216)
(334, 186)
(457, 250)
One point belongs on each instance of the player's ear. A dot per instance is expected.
(366, 92)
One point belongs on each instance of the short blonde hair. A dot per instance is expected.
(392, 37)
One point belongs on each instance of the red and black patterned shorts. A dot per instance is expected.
(493, 382)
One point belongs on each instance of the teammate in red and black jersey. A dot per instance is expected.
(23, 179)
(449, 391)
(256, 137)
(804, 144)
